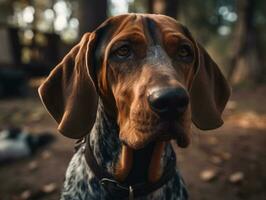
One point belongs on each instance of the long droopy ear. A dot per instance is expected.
(209, 92)
(69, 94)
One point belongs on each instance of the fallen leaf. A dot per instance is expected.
(226, 155)
(208, 175)
(25, 194)
(46, 155)
(49, 188)
(216, 160)
(33, 165)
(212, 140)
(236, 177)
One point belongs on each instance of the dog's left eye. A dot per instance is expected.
(123, 52)
(185, 52)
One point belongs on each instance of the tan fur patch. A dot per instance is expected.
(155, 168)
(124, 164)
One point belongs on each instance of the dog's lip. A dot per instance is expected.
(161, 127)
(173, 131)
(166, 131)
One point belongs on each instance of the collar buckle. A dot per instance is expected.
(131, 193)
(115, 188)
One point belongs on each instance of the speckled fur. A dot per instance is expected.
(81, 184)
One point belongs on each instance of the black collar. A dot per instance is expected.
(118, 190)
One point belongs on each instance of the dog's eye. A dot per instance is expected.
(185, 52)
(123, 52)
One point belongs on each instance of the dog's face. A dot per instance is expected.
(148, 65)
(151, 75)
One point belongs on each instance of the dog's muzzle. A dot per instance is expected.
(168, 102)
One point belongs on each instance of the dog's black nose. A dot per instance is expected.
(168, 101)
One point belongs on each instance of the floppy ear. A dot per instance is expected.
(209, 93)
(69, 94)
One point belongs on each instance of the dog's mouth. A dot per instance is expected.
(144, 144)
(140, 135)
(141, 165)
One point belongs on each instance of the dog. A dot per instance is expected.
(128, 88)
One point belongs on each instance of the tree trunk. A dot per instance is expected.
(166, 7)
(150, 6)
(92, 13)
(244, 66)
(171, 8)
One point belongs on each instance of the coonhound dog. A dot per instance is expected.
(127, 89)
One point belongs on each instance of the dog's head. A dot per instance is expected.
(151, 76)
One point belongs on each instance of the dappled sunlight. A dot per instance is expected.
(248, 119)
(245, 112)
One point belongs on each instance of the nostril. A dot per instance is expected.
(158, 103)
(167, 100)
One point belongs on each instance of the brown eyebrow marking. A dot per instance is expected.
(178, 36)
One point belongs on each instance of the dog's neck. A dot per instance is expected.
(106, 147)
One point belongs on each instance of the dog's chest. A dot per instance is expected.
(81, 184)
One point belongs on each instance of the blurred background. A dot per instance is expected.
(227, 163)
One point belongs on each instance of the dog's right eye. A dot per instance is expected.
(185, 53)
(123, 52)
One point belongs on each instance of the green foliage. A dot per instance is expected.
(204, 17)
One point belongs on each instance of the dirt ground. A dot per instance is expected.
(228, 163)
